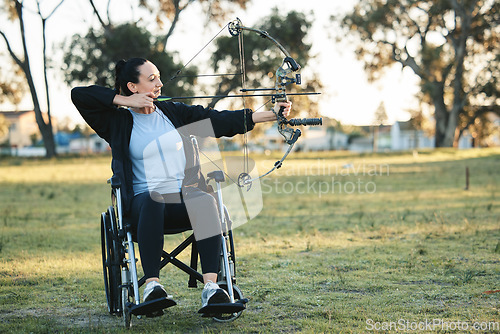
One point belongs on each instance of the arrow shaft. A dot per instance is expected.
(166, 98)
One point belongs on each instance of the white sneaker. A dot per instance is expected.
(153, 290)
(213, 294)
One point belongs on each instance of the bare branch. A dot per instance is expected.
(481, 110)
(178, 10)
(11, 52)
(103, 24)
(39, 11)
(408, 60)
(175, 20)
(107, 10)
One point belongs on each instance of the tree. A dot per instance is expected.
(169, 11)
(91, 58)
(380, 114)
(451, 45)
(4, 126)
(15, 9)
(12, 86)
(379, 120)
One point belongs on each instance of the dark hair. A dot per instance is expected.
(125, 72)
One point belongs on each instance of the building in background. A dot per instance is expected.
(22, 129)
(23, 137)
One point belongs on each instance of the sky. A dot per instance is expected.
(347, 95)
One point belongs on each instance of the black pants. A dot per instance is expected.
(151, 215)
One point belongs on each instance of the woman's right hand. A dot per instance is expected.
(138, 100)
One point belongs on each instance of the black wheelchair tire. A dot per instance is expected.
(126, 315)
(110, 263)
(237, 295)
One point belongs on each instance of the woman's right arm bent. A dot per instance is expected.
(142, 100)
(95, 104)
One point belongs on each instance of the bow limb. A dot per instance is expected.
(235, 28)
(245, 180)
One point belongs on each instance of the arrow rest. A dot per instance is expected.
(244, 180)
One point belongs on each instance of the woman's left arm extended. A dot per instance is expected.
(224, 123)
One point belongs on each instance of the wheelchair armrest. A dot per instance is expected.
(115, 182)
(216, 175)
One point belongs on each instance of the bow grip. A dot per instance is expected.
(280, 113)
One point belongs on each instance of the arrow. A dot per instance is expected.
(168, 98)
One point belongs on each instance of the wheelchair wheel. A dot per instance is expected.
(111, 261)
(127, 316)
(230, 317)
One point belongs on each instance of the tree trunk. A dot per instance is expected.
(447, 138)
(48, 141)
(441, 115)
(45, 128)
(450, 137)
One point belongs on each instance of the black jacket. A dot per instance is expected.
(114, 125)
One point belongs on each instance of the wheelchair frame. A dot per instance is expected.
(121, 281)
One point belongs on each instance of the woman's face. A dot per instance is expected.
(149, 80)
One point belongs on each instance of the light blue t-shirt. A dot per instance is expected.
(157, 154)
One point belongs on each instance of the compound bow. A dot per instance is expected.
(286, 74)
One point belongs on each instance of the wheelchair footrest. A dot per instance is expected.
(213, 310)
(152, 308)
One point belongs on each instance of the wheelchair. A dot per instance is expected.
(121, 281)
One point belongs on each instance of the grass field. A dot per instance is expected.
(345, 244)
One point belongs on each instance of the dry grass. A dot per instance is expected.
(416, 248)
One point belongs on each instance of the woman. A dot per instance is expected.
(131, 130)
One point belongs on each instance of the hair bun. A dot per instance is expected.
(125, 72)
(119, 66)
